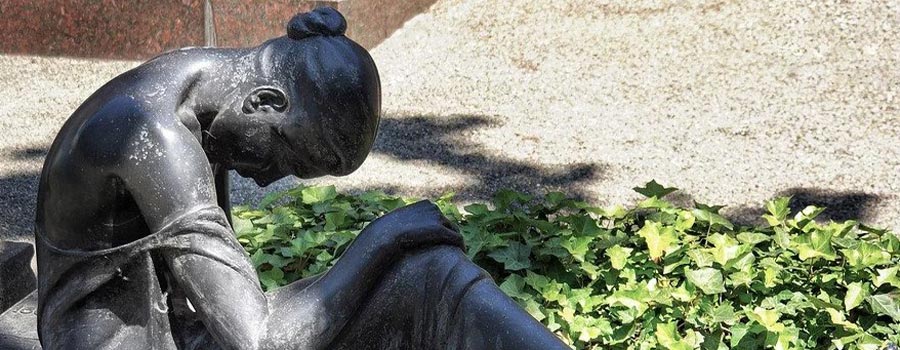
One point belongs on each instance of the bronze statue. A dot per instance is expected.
(134, 246)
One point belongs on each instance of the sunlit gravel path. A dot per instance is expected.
(733, 102)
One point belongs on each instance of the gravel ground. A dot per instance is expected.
(733, 102)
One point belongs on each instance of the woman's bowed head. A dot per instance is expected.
(309, 105)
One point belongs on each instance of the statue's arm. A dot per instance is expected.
(167, 173)
(315, 314)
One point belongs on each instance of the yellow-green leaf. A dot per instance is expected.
(766, 318)
(660, 239)
(618, 256)
(886, 304)
(887, 275)
(856, 294)
(708, 279)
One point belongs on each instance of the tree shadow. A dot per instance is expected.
(839, 205)
(18, 194)
(29, 153)
(442, 141)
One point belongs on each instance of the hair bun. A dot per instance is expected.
(323, 21)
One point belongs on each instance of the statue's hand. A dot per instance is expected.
(414, 226)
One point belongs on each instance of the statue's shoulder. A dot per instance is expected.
(120, 128)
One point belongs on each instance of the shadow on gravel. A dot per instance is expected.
(439, 140)
(840, 206)
(444, 141)
(31, 153)
(18, 195)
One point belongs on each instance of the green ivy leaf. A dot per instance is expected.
(685, 221)
(635, 299)
(272, 278)
(342, 238)
(701, 257)
(725, 248)
(709, 280)
(534, 309)
(270, 198)
(514, 286)
(784, 339)
(513, 257)
(890, 242)
(712, 218)
(856, 294)
(653, 189)
(335, 220)
(312, 195)
(753, 238)
(659, 239)
(778, 210)
(766, 318)
(886, 304)
(837, 318)
(887, 275)
(618, 256)
(589, 329)
(738, 332)
(709, 208)
(537, 281)
(866, 255)
(241, 226)
(577, 246)
(669, 338)
(723, 314)
(614, 212)
(654, 203)
(816, 244)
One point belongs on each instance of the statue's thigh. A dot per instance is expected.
(416, 304)
(118, 315)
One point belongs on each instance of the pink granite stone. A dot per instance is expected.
(244, 23)
(141, 29)
(99, 28)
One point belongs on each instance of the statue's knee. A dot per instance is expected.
(441, 267)
(432, 260)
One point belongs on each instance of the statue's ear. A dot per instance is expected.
(265, 99)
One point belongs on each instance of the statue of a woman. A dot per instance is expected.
(134, 246)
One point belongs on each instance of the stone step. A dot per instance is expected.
(18, 325)
(16, 277)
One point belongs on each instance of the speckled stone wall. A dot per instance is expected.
(99, 28)
(241, 23)
(140, 29)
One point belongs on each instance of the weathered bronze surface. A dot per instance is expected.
(134, 246)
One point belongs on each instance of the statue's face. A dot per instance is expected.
(317, 116)
(273, 134)
(245, 137)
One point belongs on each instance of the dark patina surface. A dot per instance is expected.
(134, 245)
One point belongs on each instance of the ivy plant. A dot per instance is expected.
(649, 276)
